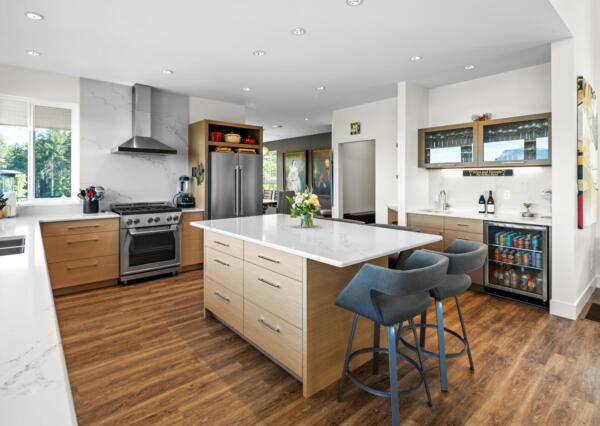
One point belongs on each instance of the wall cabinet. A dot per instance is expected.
(515, 141)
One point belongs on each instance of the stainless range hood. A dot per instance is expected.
(142, 141)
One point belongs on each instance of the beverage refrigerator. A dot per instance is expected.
(518, 261)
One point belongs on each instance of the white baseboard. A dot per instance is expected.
(572, 310)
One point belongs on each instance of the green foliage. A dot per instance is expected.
(14, 157)
(270, 171)
(52, 163)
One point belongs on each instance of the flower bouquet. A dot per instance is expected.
(304, 204)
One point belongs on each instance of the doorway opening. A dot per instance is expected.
(358, 180)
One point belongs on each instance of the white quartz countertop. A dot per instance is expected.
(510, 217)
(334, 243)
(193, 210)
(34, 384)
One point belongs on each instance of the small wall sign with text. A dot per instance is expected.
(489, 173)
(355, 128)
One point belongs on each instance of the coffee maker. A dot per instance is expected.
(183, 199)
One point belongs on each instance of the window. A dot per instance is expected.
(270, 170)
(36, 149)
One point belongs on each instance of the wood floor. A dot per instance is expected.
(143, 354)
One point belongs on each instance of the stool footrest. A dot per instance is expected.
(435, 354)
(378, 392)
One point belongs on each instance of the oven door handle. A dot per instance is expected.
(171, 228)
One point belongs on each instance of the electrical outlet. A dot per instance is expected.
(507, 194)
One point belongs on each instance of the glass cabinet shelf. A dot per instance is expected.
(450, 146)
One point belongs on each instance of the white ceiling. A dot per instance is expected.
(358, 53)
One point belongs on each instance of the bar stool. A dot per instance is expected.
(389, 297)
(464, 257)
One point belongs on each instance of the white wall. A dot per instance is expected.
(358, 168)
(575, 252)
(39, 85)
(378, 122)
(201, 109)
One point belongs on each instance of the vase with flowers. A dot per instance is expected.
(304, 205)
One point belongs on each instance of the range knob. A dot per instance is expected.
(156, 219)
(136, 220)
(175, 218)
(169, 218)
(149, 220)
(129, 222)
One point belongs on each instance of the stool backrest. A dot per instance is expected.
(465, 256)
(422, 271)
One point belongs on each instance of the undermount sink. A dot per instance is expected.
(435, 211)
(12, 245)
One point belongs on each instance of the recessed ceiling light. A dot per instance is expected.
(277, 126)
(298, 31)
(320, 88)
(246, 89)
(416, 58)
(469, 67)
(259, 53)
(33, 53)
(34, 16)
(167, 72)
(354, 2)
(306, 118)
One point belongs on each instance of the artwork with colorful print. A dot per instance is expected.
(587, 154)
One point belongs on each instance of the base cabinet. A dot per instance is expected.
(192, 239)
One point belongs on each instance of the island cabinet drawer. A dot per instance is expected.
(84, 271)
(278, 261)
(59, 248)
(463, 225)
(225, 269)
(274, 292)
(438, 245)
(225, 244)
(80, 227)
(425, 221)
(276, 337)
(225, 304)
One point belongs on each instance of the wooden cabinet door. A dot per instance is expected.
(192, 241)
(448, 146)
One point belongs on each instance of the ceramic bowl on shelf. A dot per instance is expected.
(249, 140)
(232, 137)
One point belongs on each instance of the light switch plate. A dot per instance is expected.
(507, 194)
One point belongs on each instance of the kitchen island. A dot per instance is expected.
(275, 283)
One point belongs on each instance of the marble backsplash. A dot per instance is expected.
(106, 121)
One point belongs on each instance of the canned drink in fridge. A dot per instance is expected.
(538, 260)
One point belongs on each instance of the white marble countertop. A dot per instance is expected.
(510, 217)
(34, 384)
(334, 243)
(192, 210)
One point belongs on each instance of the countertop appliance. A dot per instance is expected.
(518, 265)
(235, 185)
(183, 199)
(149, 239)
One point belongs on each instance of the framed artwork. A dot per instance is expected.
(322, 172)
(587, 154)
(294, 171)
(355, 128)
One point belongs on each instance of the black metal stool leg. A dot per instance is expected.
(464, 330)
(441, 345)
(376, 329)
(423, 329)
(414, 329)
(347, 360)
(393, 375)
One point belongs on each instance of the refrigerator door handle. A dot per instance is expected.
(241, 177)
(237, 189)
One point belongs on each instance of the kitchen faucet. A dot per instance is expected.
(443, 204)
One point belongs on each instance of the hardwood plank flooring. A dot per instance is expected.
(144, 354)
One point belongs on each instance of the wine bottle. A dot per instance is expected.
(481, 204)
(491, 207)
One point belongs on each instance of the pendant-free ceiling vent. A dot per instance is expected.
(142, 142)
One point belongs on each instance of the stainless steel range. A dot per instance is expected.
(149, 239)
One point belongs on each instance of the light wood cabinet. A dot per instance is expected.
(392, 216)
(225, 304)
(192, 243)
(81, 252)
(507, 142)
(451, 229)
(225, 269)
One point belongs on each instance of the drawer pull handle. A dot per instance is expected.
(225, 298)
(268, 258)
(83, 226)
(269, 326)
(221, 244)
(221, 262)
(262, 280)
(89, 265)
(83, 241)
(461, 224)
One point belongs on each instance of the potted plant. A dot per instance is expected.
(304, 204)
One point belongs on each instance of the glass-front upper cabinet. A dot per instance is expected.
(517, 141)
(448, 146)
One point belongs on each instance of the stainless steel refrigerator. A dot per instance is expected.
(235, 185)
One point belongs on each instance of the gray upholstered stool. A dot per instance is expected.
(389, 297)
(464, 257)
(396, 259)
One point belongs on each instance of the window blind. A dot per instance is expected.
(52, 118)
(13, 113)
